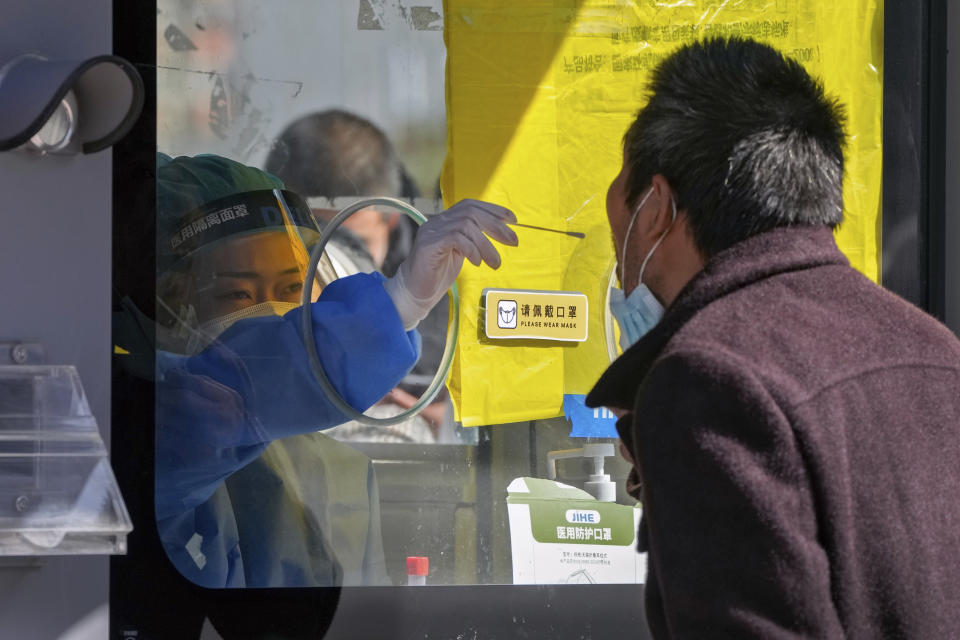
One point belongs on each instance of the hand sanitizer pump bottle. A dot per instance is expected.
(598, 484)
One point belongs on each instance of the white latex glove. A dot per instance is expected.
(438, 251)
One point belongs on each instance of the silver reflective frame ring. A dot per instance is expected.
(56, 134)
(306, 321)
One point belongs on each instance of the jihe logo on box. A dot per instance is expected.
(583, 516)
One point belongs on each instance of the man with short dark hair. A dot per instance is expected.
(335, 153)
(795, 428)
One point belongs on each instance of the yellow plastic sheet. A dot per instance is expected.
(539, 94)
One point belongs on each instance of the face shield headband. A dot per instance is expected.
(235, 215)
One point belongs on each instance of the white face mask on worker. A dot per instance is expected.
(209, 331)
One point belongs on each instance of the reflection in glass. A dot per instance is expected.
(338, 156)
(248, 493)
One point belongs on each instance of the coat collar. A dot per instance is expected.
(756, 258)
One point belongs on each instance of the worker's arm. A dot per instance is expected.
(360, 341)
(218, 410)
(729, 514)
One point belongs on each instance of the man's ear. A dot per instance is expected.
(661, 199)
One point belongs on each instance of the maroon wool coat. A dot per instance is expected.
(796, 430)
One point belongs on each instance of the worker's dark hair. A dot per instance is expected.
(746, 138)
(334, 154)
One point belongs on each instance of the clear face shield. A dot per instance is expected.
(242, 256)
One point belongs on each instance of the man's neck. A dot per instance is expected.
(684, 263)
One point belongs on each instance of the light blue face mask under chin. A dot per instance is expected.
(640, 311)
(636, 314)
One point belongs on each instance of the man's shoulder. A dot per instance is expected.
(800, 328)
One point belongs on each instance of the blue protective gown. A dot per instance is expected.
(220, 410)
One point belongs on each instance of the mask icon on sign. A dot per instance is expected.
(507, 314)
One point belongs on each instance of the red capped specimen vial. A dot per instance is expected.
(417, 569)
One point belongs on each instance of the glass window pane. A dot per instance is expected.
(272, 118)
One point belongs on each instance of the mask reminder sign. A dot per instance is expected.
(535, 315)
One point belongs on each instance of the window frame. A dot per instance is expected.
(148, 595)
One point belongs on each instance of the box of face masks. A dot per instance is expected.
(561, 535)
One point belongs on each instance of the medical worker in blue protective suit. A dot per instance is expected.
(247, 492)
